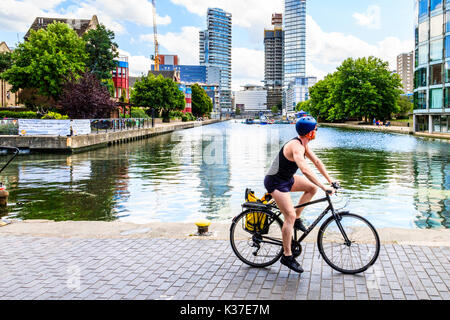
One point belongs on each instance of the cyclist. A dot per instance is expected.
(281, 179)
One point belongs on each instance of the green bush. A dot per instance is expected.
(187, 117)
(55, 116)
(175, 114)
(18, 115)
(138, 113)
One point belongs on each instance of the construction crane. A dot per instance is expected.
(155, 33)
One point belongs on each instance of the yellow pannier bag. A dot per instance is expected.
(256, 221)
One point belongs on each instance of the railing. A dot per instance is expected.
(97, 126)
(114, 125)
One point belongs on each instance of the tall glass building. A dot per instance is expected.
(432, 66)
(215, 51)
(294, 40)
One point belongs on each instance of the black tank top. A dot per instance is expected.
(282, 167)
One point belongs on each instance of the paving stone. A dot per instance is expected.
(146, 269)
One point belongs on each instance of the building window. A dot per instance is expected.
(423, 54)
(436, 48)
(421, 77)
(423, 8)
(420, 100)
(436, 96)
(423, 31)
(435, 5)
(436, 25)
(436, 74)
(447, 97)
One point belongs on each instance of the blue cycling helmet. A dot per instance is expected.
(305, 125)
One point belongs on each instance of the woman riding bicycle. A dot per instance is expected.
(281, 179)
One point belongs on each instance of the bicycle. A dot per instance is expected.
(347, 242)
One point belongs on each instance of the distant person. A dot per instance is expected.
(281, 180)
(374, 121)
(378, 123)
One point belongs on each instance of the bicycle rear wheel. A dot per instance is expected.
(257, 248)
(356, 256)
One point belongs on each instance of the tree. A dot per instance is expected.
(405, 106)
(5, 61)
(102, 51)
(238, 111)
(201, 102)
(159, 93)
(86, 98)
(275, 110)
(361, 88)
(46, 59)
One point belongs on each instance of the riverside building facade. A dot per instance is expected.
(432, 66)
(215, 51)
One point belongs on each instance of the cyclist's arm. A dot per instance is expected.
(319, 164)
(299, 158)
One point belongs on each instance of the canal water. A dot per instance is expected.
(394, 180)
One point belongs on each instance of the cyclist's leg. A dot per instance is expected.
(302, 184)
(284, 203)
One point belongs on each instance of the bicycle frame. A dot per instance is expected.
(321, 216)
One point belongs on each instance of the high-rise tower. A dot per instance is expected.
(215, 51)
(294, 40)
(273, 53)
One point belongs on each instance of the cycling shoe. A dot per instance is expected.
(298, 225)
(291, 263)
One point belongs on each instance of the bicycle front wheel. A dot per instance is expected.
(351, 257)
(257, 248)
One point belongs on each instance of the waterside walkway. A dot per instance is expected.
(69, 268)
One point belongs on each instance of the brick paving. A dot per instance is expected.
(166, 269)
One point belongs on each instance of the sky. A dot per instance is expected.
(336, 30)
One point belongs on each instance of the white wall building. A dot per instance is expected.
(298, 91)
(252, 98)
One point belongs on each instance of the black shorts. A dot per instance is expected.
(273, 183)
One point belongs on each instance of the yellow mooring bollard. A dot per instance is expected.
(3, 197)
(202, 227)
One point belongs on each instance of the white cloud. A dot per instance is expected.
(371, 18)
(184, 44)
(250, 14)
(18, 15)
(138, 64)
(248, 67)
(329, 49)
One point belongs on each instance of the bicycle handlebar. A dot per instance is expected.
(16, 152)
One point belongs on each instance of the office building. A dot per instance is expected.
(432, 67)
(273, 61)
(190, 74)
(215, 51)
(298, 91)
(251, 99)
(294, 40)
(405, 69)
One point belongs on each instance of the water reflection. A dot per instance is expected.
(395, 180)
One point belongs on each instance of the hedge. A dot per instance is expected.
(19, 115)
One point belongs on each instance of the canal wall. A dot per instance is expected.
(95, 140)
(391, 129)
